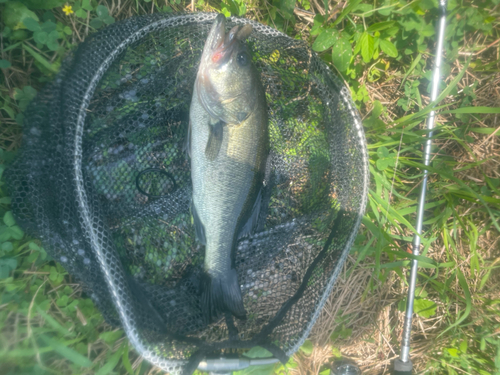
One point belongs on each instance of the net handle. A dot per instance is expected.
(228, 365)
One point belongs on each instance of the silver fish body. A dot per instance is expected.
(228, 146)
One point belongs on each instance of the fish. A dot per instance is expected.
(228, 145)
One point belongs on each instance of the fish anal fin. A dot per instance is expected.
(214, 140)
(198, 226)
(252, 221)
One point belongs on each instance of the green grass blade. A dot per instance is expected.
(111, 362)
(54, 323)
(392, 214)
(126, 361)
(412, 67)
(432, 106)
(66, 352)
(486, 110)
(42, 60)
(468, 302)
(465, 187)
(485, 131)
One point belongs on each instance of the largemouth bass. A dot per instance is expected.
(228, 144)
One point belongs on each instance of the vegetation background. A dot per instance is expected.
(384, 51)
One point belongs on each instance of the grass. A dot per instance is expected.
(385, 53)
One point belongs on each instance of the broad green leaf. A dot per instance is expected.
(258, 352)
(81, 13)
(7, 246)
(4, 64)
(48, 26)
(233, 7)
(317, 25)
(102, 11)
(387, 9)
(382, 152)
(31, 24)
(53, 45)
(463, 346)
(6, 266)
(66, 352)
(380, 26)
(8, 219)
(86, 5)
(388, 48)
(53, 36)
(14, 13)
(391, 31)
(307, 347)
(96, 23)
(325, 40)
(367, 47)
(382, 164)
(424, 308)
(342, 54)
(287, 7)
(34, 246)
(40, 37)
(108, 20)
(111, 336)
(363, 8)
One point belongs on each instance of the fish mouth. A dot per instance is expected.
(220, 45)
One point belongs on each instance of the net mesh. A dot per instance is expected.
(104, 181)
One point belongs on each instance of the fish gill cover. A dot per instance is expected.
(103, 179)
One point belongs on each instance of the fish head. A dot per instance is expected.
(226, 82)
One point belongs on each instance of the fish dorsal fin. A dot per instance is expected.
(214, 140)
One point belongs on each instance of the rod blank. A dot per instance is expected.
(403, 365)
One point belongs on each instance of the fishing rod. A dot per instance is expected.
(403, 364)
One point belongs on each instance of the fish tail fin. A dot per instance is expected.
(221, 294)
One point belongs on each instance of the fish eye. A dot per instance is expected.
(243, 58)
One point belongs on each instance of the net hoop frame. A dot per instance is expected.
(125, 314)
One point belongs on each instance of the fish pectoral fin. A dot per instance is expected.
(214, 140)
(198, 226)
(252, 222)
